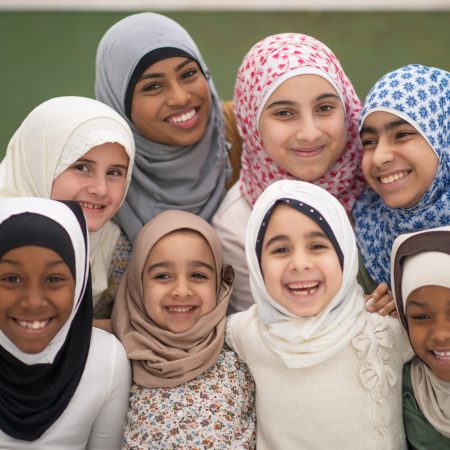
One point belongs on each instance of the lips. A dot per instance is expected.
(33, 324)
(87, 205)
(303, 288)
(186, 119)
(180, 309)
(442, 355)
(394, 177)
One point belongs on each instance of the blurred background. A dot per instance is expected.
(47, 48)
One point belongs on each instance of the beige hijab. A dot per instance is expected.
(422, 259)
(50, 139)
(159, 357)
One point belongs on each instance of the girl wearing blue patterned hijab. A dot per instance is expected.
(405, 135)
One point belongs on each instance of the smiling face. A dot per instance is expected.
(97, 181)
(179, 281)
(300, 267)
(398, 162)
(36, 296)
(171, 102)
(428, 318)
(302, 126)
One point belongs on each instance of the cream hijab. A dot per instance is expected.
(423, 259)
(306, 341)
(51, 138)
(159, 357)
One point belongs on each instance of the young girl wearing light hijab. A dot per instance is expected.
(75, 148)
(421, 287)
(63, 384)
(327, 373)
(297, 113)
(189, 390)
(151, 72)
(405, 132)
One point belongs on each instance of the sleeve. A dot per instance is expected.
(401, 342)
(119, 263)
(108, 428)
(230, 224)
(234, 327)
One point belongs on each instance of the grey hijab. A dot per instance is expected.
(164, 176)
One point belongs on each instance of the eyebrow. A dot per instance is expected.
(162, 75)
(308, 235)
(166, 264)
(16, 263)
(91, 161)
(389, 126)
(292, 103)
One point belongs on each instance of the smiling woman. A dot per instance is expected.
(151, 72)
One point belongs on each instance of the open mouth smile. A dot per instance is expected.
(303, 288)
(392, 178)
(185, 120)
(32, 324)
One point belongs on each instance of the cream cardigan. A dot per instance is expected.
(349, 401)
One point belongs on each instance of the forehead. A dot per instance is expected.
(378, 120)
(167, 65)
(287, 220)
(302, 88)
(431, 297)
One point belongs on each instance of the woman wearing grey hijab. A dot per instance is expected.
(149, 70)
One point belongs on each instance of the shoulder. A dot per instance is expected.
(241, 328)
(234, 208)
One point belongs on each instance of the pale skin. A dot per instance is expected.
(302, 128)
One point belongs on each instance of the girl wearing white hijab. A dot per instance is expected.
(75, 148)
(63, 384)
(421, 286)
(327, 373)
(151, 72)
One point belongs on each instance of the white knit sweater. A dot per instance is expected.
(350, 401)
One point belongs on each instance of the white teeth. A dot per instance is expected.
(306, 288)
(33, 325)
(90, 206)
(180, 309)
(442, 355)
(183, 118)
(392, 178)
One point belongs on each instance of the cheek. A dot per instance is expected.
(366, 163)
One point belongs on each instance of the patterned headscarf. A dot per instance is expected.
(421, 96)
(270, 62)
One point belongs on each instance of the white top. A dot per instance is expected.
(230, 223)
(350, 401)
(96, 414)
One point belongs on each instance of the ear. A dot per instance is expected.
(227, 274)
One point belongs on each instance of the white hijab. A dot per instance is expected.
(423, 259)
(51, 138)
(306, 341)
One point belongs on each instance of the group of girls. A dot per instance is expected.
(323, 189)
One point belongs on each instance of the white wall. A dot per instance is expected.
(226, 4)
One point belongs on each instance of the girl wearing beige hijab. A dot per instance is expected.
(189, 390)
(75, 148)
(421, 286)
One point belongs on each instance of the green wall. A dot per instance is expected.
(48, 54)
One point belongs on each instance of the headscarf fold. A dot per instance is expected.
(35, 389)
(165, 176)
(161, 358)
(306, 341)
(421, 96)
(423, 259)
(270, 62)
(51, 138)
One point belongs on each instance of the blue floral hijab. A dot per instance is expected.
(421, 96)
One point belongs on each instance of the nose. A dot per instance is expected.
(383, 153)
(181, 288)
(440, 332)
(178, 95)
(308, 130)
(300, 261)
(98, 185)
(33, 298)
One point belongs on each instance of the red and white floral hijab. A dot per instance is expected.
(269, 63)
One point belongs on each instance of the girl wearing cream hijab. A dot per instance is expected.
(189, 391)
(421, 286)
(75, 148)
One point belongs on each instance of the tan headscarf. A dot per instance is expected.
(422, 259)
(159, 357)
